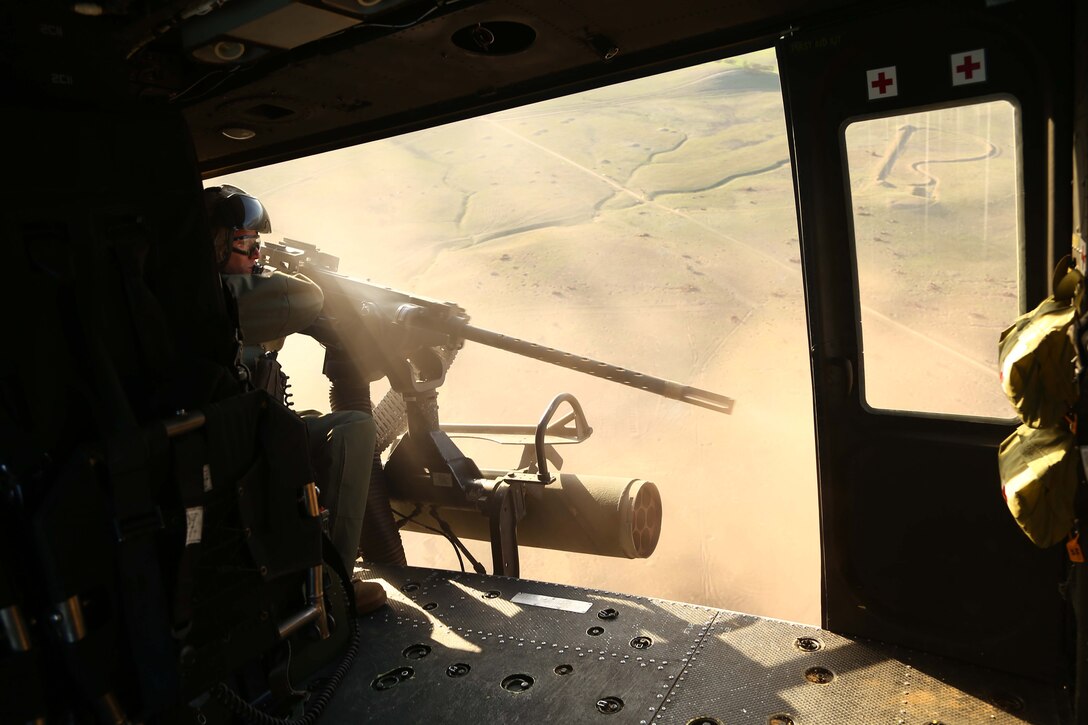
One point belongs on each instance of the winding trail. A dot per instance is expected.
(722, 182)
(899, 143)
(793, 270)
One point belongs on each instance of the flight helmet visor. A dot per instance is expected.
(232, 208)
(242, 211)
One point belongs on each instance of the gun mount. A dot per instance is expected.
(370, 332)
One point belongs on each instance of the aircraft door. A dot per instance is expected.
(932, 171)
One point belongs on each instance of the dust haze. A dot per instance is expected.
(650, 225)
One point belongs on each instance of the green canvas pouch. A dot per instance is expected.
(1039, 478)
(1037, 358)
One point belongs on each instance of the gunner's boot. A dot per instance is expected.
(369, 595)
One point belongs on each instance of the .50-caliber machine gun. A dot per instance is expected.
(370, 332)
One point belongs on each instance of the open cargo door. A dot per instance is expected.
(932, 160)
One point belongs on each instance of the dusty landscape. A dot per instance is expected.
(649, 225)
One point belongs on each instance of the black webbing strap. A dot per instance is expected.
(268, 375)
(137, 462)
(230, 305)
(75, 548)
(193, 479)
(282, 541)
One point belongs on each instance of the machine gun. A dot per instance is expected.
(370, 332)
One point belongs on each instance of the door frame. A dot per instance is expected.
(918, 548)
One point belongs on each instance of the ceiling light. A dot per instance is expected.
(229, 50)
(89, 9)
(238, 133)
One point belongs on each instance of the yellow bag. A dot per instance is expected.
(1037, 358)
(1039, 481)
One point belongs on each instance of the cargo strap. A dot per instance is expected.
(192, 476)
(137, 462)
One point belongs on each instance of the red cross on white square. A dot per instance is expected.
(969, 67)
(882, 83)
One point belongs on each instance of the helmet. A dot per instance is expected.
(231, 208)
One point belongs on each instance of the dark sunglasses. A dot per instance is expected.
(252, 249)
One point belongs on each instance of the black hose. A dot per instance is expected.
(380, 541)
(236, 704)
(316, 707)
(348, 394)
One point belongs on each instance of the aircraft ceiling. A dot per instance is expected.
(267, 80)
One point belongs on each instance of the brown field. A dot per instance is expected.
(651, 226)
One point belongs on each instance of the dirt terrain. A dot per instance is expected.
(652, 226)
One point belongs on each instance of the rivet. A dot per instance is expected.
(819, 675)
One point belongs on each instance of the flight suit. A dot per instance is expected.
(272, 305)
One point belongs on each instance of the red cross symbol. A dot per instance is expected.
(881, 83)
(968, 68)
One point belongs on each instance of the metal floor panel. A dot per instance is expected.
(455, 648)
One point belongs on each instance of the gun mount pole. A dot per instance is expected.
(660, 386)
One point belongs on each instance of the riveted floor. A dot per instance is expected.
(454, 648)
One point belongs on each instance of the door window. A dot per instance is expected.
(937, 228)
